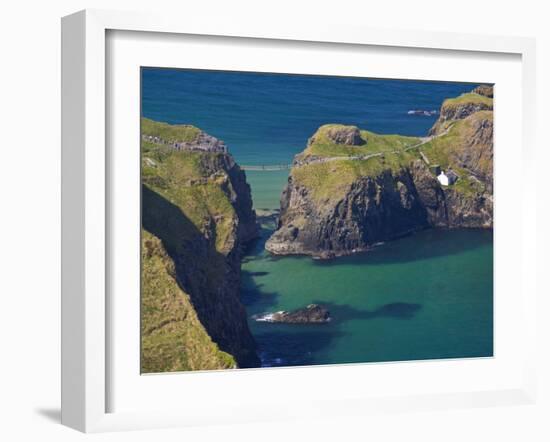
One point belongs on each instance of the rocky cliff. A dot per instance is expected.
(345, 195)
(452, 109)
(197, 216)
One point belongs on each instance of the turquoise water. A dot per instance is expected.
(426, 296)
(266, 188)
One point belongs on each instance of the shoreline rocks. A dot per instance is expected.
(422, 113)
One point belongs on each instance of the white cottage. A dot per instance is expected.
(446, 179)
(443, 179)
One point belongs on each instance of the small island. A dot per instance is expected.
(312, 314)
(351, 188)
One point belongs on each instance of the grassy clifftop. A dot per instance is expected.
(331, 176)
(196, 214)
(169, 132)
(338, 155)
(454, 109)
(467, 148)
(331, 180)
(332, 140)
(173, 338)
(351, 188)
(190, 181)
(468, 98)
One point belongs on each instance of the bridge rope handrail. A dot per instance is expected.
(267, 167)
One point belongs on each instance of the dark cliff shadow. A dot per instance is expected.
(267, 217)
(253, 274)
(424, 245)
(396, 310)
(167, 222)
(200, 271)
(255, 249)
(282, 345)
(252, 291)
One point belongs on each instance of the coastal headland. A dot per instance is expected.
(348, 191)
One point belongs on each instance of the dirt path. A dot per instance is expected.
(423, 141)
(318, 160)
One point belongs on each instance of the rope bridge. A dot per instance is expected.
(267, 167)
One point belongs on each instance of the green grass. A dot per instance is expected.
(441, 150)
(444, 150)
(467, 99)
(451, 106)
(172, 337)
(323, 146)
(187, 205)
(467, 186)
(169, 132)
(331, 181)
(182, 178)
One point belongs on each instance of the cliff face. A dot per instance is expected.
(450, 207)
(485, 90)
(467, 149)
(169, 322)
(196, 203)
(461, 107)
(373, 209)
(346, 196)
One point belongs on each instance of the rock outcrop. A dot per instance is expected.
(312, 314)
(458, 108)
(180, 137)
(485, 90)
(338, 205)
(348, 135)
(198, 205)
(373, 209)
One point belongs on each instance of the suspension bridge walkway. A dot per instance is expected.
(267, 167)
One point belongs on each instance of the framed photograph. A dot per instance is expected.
(274, 222)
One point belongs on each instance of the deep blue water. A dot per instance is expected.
(427, 296)
(267, 118)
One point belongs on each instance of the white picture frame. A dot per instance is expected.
(85, 202)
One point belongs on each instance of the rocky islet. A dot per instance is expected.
(385, 195)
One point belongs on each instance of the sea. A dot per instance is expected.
(425, 296)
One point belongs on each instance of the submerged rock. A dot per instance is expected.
(312, 314)
(423, 113)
